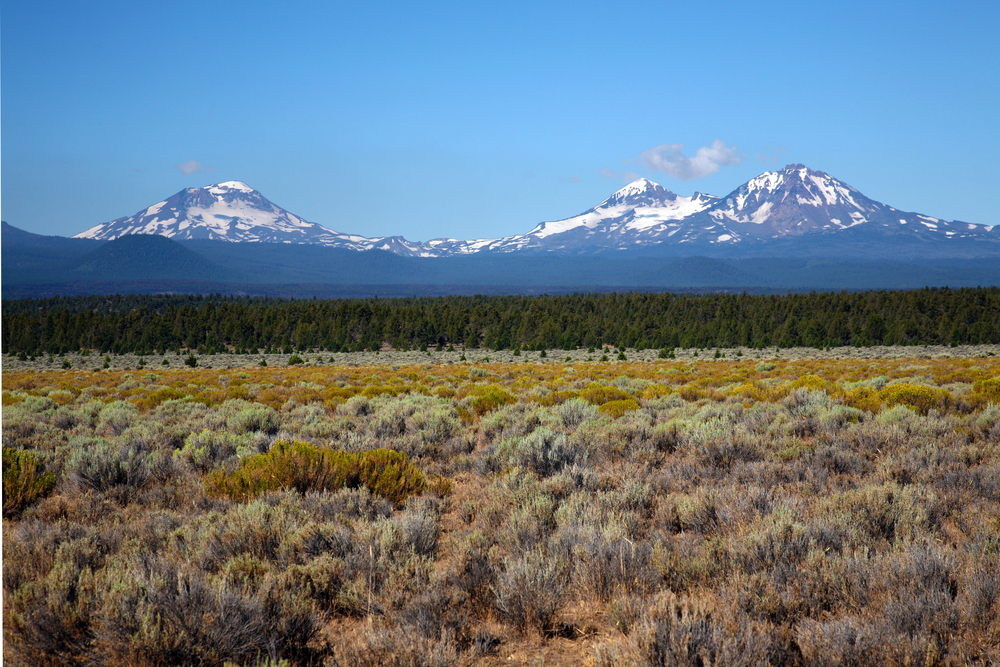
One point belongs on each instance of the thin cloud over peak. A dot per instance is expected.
(671, 160)
(623, 176)
(192, 167)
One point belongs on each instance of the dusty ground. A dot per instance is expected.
(96, 361)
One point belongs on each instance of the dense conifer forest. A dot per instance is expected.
(144, 324)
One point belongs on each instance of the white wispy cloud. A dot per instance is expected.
(671, 160)
(623, 176)
(191, 167)
(768, 159)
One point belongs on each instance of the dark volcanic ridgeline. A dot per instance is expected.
(143, 324)
(41, 266)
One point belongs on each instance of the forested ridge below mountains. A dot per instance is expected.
(144, 324)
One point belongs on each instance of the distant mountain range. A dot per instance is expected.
(793, 229)
(795, 211)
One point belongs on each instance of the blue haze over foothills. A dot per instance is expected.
(474, 120)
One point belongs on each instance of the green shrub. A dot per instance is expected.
(305, 467)
(24, 480)
(837, 416)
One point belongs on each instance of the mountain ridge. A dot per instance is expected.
(794, 205)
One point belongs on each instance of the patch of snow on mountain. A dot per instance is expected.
(858, 218)
(761, 215)
(680, 208)
(828, 190)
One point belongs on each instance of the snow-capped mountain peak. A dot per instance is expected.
(639, 193)
(797, 201)
(636, 215)
(229, 211)
(812, 188)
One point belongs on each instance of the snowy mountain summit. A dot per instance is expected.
(234, 211)
(641, 213)
(230, 211)
(798, 202)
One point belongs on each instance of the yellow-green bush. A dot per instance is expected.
(489, 398)
(305, 467)
(987, 391)
(618, 408)
(557, 398)
(599, 394)
(24, 480)
(919, 397)
(656, 391)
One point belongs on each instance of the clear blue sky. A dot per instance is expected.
(469, 119)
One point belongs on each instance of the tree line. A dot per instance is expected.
(215, 323)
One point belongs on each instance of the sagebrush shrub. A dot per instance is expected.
(690, 631)
(575, 411)
(387, 646)
(542, 451)
(109, 467)
(117, 416)
(253, 418)
(530, 590)
(207, 449)
(160, 611)
(50, 621)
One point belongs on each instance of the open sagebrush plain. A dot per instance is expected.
(701, 510)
